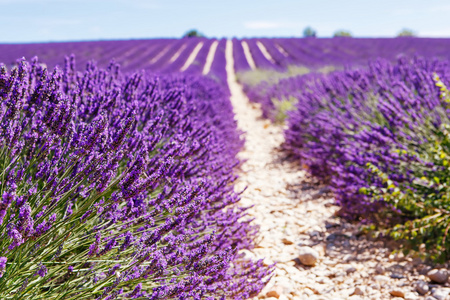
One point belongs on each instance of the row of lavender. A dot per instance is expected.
(284, 66)
(279, 53)
(119, 185)
(131, 55)
(378, 133)
(156, 55)
(171, 55)
(380, 136)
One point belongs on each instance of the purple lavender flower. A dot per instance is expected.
(41, 271)
(3, 261)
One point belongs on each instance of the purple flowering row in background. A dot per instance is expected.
(280, 73)
(171, 55)
(120, 186)
(163, 56)
(279, 53)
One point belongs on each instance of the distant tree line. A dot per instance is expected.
(310, 32)
(406, 32)
(193, 33)
(342, 33)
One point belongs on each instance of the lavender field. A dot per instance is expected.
(196, 168)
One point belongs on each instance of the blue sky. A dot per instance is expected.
(66, 20)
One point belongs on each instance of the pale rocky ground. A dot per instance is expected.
(294, 212)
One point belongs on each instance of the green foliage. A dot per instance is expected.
(326, 69)
(272, 77)
(254, 77)
(425, 202)
(193, 33)
(309, 32)
(342, 33)
(406, 32)
(283, 107)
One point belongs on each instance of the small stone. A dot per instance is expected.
(322, 280)
(380, 269)
(331, 223)
(397, 293)
(320, 248)
(397, 276)
(276, 291)
(314, 233)
(381, 278)
(267, 262)
(399, 256)
(308, 291)
(287, 241)
(411, 296)
(308, 256)
(358, 291)
(329, 203)
(438, 275)
(424, 269)
(440, 294)
(422, 287)
(348, 257)
(285, 286)
(349, 269)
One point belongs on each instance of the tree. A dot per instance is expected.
(342, 33)
(193, 33)
(406, 32)
(309, 32)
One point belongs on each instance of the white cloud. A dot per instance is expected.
(269, 25)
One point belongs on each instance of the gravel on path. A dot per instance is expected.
(318, 255)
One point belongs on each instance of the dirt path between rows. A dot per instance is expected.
(296, 215)
(210, 57)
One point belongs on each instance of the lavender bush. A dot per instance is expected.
(373, 133)
(424, 199)
(119, 186)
